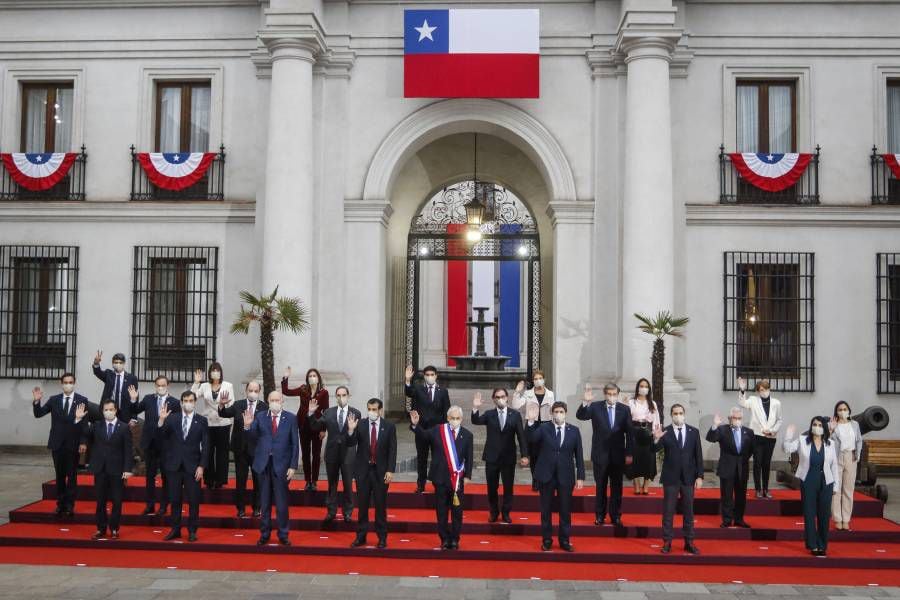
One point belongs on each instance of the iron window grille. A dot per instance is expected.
(888, 332)
(885, 187)
(70, 187)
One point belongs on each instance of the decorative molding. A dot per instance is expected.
(335, 63)
(792, 216)
(367, 211)
(579, 212)
(609, 62)
(128, 212)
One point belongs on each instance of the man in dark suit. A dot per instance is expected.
(682, 471)
(432, 403)
(559, 470)
(152, 447)
(277, 450)
(185, 437)
(116, 382)
(373, 467)
(504, 429)
(338, 457)
(111, 462)
(451, 467)
(735, 449)
(612, 443)
(63, 440)
(242, 447)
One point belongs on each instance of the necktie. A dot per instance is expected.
(159, 404)
(680, 440)
(341, 418)
(67, 405)
(431, 393)
(502, 419)
(373, 441)
(274, 425)
(559, 437)
(109, 430)
(737, 439)
(611, 412)
(118, 389)
(184, 426)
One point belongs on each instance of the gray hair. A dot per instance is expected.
(455, 409)
(736, 411)
(610, 387)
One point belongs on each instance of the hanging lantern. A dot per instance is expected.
(751, 311)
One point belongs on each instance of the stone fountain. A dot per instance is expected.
(480, 361)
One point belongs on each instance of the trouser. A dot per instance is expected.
(181, 484)
(733, 496)
(311, 448)
(216, 473)
(108, 487)
(343, 471)
(423, 446)
(842, 502)
(816, 499)
(372, 487)
(494, 472)
(275, 485)
(242, 461)
(443, 505)
(65, 464)
(154, 458)
(671, 494)
(564, 500)
(762, 461)
(611, 473)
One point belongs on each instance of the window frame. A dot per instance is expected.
(887, 344)
(49, 122)
(762, 86)
(184, 133)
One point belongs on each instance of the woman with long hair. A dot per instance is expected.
(847, 440)
(212, 393)
(644, 419)
(310, 439)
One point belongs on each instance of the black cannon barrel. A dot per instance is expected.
(874, 418)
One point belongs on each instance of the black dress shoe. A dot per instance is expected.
(329, 517)
(162, 511)
(725, 524)
(263, 540)
(420, 488)
(566, 546)
(241, 514)
(257, 513)
(348, 517)
(98, 535)
(382, 543)
(454, 545)
(506, 519)
(148, 510)
(743, 524)
(313, 485)
(174, 534)
(599, 520)
(69, 512)
(284, 541)
(114, 534)
(359, 541)
(617, 522)
(59, 511)
(690, 548)
(535, 486)
(546, 545)
(492, 518)
(446, 545)
(192, 536)
(667, 547)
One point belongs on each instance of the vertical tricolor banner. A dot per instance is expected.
(471, 53)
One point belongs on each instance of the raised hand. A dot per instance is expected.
(80, 412)
(132, 393)
(588, 393)
(520, 387)
(164, 412)
(224, 397)
(832, 424)
(248, 418)
(414, 417)
(717, 420)
(198, 376)
(98, 357)
(532, 411)
(287, 373)
(658, 432)
(352, 422)
(742, 384)
(790, 432)
(37, 395)
(313, 405)
(408, 373)
(476, 400)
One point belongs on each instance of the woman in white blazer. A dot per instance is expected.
(848, 442)
(818, 472)
(209, 394)
(765, 421)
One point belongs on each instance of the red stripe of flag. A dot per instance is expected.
(457, 303)
(471, 76)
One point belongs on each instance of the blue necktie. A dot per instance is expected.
(558, 437)
(611, 411)
(109, 430)
(737, 439)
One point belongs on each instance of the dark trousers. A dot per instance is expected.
(733, 496)
(671, 494)
(216, 473)
(182, 484)
(342, 471)
(423, 446)
(242, 461)
(275, 485)
(372, 487)
(564, 503)
(763, 447)
(154, 457)
(65, 463)
(815, 497)
(311, 448)
(612, 474)
(443, 505)
(108, 487)
(494, 472)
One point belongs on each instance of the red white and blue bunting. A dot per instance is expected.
(893, 163)
(38, 171)
(175, 171)
(770, 172)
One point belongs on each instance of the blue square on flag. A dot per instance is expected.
(426, 31)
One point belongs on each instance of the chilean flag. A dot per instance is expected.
(471, 53)
(770, 172)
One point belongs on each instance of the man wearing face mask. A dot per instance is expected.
(682, 472)
(338, 457)
(432, 403)
(765, 421)
(505, 427)
(64, 439)
(185, 437)
(375, 440)
(612, 448)
(242, 447)
(559, 470)
(735, 449)
(152, 406)
(451, 467)
(275, 459)
(111, 463)
(116, 382)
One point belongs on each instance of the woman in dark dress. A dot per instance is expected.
(644, 419)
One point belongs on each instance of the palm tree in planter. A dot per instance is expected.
(659, 327)
(273, 314)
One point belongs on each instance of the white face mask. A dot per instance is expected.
(162, 391)
(764, 395)
(678, 420)
(500, 402)
(118, 367)
(610, 400)
(215, 375)
(313, 380)
(538, 383)
(817, 430)
(275, 407)
(736, 422)
(373, 415)
(342, 401)
(187, 407)
(559, 418)
(68, 388)
(109, 414)
(643, 391)
(253, 396)
(430, 379)
(455, 423)
(844, 414)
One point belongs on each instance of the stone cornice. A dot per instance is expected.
(573, 212)
(608, 62)
(335, 63)
(130, 212)
(367, 211)
(718, 215)
(78, 4)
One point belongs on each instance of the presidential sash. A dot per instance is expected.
(454, 465)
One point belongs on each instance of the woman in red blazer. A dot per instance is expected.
(310, 440)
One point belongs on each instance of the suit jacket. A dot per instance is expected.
(181, 452)
(500, 446)
(113, 455)
(438, 472)
(566, 462)
(108, 377)
(758, 420)
(430, 413)
(64, 432)
(731, 463)
(336, 445)
(148, 406)
(283, 446)
(804, 448)
(239, 440)
(682, 465)
(385, 448)
(609, 445)
(304, 392)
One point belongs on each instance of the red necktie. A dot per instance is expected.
(373, 441)
(274, 425)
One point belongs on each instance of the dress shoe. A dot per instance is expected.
(284, 541)
(359, 541)
(667, 547)
(546, 545)
(309, 486)
(148, 510)
(382, 543)
(314, 485)
(348, 517)
(492, 518)
(743, 524)
(59, 511)
(506, 519)
(454, 545)
(617, 522)
(98, 535)
(257, 513)
(566, 546)
(759, 495)
(162, 511)
(69, 512)
(725, 524)
(263, 540)
(114, 534)
(329, 518)
(691, 549)
(446, 545)
(192, 536)
(535, 486)
(767, 494)
(174, 534)
(241, 514)
(420, 488)
(599, 520)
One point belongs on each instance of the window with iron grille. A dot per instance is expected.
(769, 320)
(888, 334)
(38, 311)
(174, 310)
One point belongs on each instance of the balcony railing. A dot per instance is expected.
(70, 187)
(210, 187)
(885, 185)
(733, 189)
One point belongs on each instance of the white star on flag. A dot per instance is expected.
(770, 157)
(425, 31)
(39, 158)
